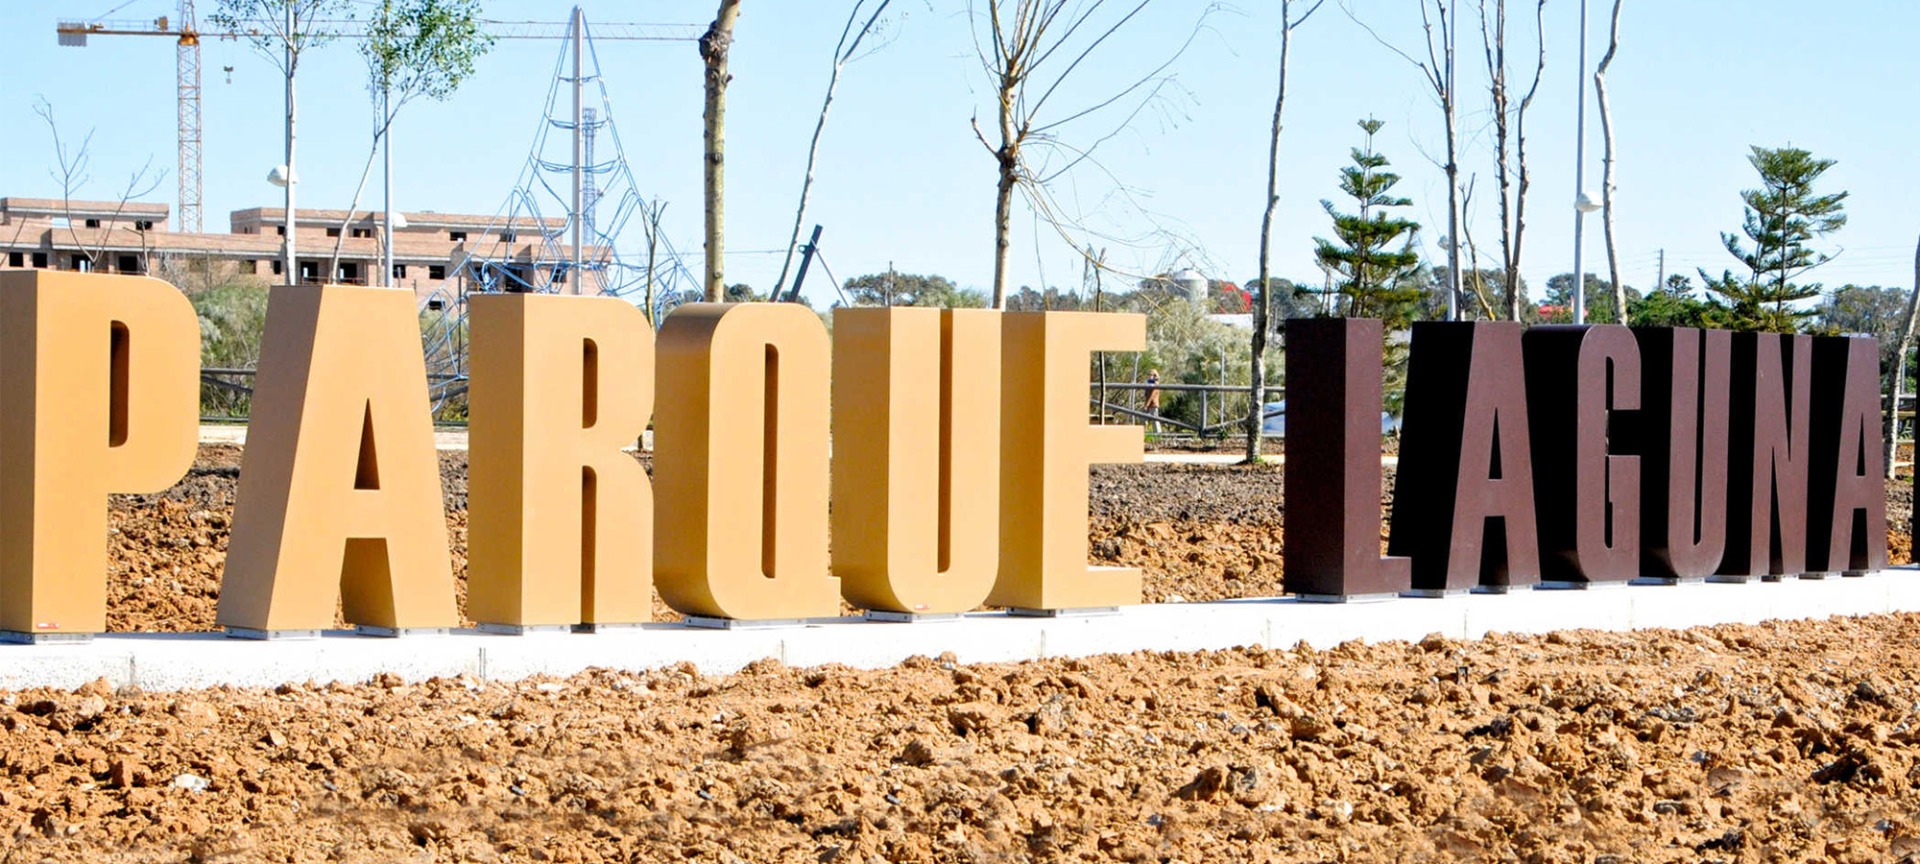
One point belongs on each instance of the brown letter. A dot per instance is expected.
(740, 463)
(561, 527)
(1588, 505)
(1045, 448)
(1464, 461)
(1846, 491)
(1333, 462)
(1767, 452)
(916, 457)
(340, 496)
(1682, 432)
(99, 393)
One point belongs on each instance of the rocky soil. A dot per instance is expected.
(1198, 532)
(1781, 742)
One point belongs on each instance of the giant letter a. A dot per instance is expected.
(1463, 499)
(339, 487)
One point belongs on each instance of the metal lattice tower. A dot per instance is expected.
(572, 200)
(562, 223)
(187, 52)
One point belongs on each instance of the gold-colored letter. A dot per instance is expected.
(340, 486)
(561, 528)
(916, 457)
(1045, 448)
(99, 393)
(740, 463)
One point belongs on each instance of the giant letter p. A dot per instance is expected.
(99, 393)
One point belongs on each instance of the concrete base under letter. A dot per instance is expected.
(176, 661)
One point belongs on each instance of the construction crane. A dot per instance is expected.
(186, 33)
(186, 38)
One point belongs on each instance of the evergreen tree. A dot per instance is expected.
(1782, 218)
(1374, 279)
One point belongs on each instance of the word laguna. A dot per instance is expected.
(954, 445)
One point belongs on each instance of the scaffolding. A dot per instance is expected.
(560, 229)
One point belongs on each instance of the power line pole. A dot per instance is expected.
(1660, 282)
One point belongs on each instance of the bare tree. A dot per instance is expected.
(650, 213)
(1262, 300)
(69, 173)
(281, 30)
(1438, 22)
(1900, 366)
(418, 48)
(843, 53)
(1473, 255)
(714, 46)
(1606, 183)
(1510, 143)
(1036, 46)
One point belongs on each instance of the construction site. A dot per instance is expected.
(557, 229)
(1228, 711)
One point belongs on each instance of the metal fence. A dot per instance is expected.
(1106, 405)
(442, 387)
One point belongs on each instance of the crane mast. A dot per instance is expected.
(187, 54)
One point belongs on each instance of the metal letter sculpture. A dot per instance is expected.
(561, 518)
(1767, 457)
(1682, 435)
(916, 460)
(1846, 488)
(1463, 497)
(340, 496)
(99, 393)
(1588, 505)
(1332, 548)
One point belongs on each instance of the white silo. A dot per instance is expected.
(1192, 285)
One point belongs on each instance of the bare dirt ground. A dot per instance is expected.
(1780, 742)
(1198, 532)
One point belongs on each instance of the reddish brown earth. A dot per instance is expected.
(1780, 742)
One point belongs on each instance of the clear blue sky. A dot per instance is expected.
(902, 180)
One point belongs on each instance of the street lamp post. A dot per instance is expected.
(1582, 204)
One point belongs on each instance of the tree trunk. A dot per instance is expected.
(353, 209)
(1606, 181)
(713, 51)
(1262, 299)
(1524, 181)
(1496, 50)
(1900, 366)
(1009, 162)
(841, 54)
(1450, 103)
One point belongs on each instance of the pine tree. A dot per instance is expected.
(1374, 280)
(1782, 217)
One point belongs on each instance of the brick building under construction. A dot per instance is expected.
(429, 249)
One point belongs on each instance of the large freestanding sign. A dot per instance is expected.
(953, 445)
(1573, 456)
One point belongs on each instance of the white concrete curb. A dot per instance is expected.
(182, 661)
